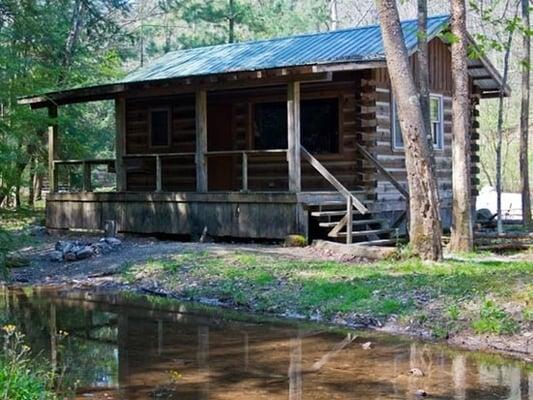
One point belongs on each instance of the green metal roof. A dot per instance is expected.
(345, 45)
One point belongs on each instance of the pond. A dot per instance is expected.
(122, 346)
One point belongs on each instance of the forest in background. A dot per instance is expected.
(52, 44)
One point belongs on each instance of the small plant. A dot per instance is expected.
(19, 377)
(453, 312)
(295, 241)
(493, 319)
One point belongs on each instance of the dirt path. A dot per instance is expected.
(134, 250)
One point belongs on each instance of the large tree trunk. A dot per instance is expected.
(462, 235)
(425, 226)
(524, 119)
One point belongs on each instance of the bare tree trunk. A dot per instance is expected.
(231, 21)
(31, 185)
(423, 65)
(524, 118)
(333, 15)
(500, 132)
(75, 27)
(425, 225)
(423, 77)
(38, 186)
(462, 233)
(72, 39)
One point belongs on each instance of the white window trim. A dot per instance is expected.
(440, 135)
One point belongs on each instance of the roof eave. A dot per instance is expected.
(111, 91)
(491, 69)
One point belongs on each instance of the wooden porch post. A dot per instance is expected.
(293, 138)
(120, 143)
(53, 145)
(201, 141)
(87, 187)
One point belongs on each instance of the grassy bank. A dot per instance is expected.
(14, 226)
(481, 296)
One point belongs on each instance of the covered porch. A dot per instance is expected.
(215, 177)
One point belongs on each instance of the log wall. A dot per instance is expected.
(265, 172)
(394, 159)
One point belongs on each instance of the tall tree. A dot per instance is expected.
(423, 63)
(333, 15)
(425, 225)
(511, 25)
(524, 115)
(462, 235)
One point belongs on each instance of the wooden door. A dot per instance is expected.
(221, 169)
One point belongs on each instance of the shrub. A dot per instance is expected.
(493, 319)
(19, 377)
(295, 241)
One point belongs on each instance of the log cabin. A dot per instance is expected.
(262, 139)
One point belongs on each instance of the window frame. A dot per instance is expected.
(278, 99)
(168, 110)
(439, 145)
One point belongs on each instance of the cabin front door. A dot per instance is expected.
(220, 169)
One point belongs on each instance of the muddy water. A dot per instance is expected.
(121, 347)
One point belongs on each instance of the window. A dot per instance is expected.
(270, 123)
(436, 118)
(159, 127)
(437, 123)
(319, 123)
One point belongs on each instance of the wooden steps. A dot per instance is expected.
(379, 242)
(366, 233)
(356, 222)
(366, 230)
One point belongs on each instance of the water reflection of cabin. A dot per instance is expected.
(262, 139)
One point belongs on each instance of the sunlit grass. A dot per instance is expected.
(457, 289)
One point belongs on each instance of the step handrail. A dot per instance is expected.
(383, 171)
(332, 180)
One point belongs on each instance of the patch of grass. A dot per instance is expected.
(453, 312)
(435, 296)
(18, 219)
(390, 306)
(493, 319)
(12, 226)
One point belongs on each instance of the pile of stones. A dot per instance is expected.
(73, 250)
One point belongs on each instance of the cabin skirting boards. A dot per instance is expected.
(253, 216)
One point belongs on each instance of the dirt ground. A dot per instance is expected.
(136, 249)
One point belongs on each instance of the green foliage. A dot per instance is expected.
(42, 49)
(493, 319)
(453, 312)
(21, 377)
(194, 23)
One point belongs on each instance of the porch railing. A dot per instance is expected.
(351, 201)
(87, 165)
(245, 155)
(387, 175)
